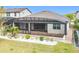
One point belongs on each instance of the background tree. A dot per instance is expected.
(76, 24)
(2, 14)
(72, 17)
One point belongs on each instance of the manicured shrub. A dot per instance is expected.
(27, 36)
(41, 38)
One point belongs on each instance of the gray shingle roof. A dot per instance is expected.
(50, 15)
(15, 9)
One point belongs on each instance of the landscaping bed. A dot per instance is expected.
(32, 39)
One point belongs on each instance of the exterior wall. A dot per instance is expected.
(55, 31)
(13, 15)
(24, 13)
(68, 27)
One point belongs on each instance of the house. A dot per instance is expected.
(44, 22)
(11, 13)
(77, 14)
(41, 23)
(15, 12)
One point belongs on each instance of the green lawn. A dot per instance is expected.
(15, 46)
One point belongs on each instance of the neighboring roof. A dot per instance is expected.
(76, 12)
(15, 9)
(50, 15)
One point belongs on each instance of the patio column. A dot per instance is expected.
(29, 31)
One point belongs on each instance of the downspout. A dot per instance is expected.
(65, 29)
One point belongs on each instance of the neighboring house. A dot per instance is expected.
(77, 14)
(16, 12)
(45, 22)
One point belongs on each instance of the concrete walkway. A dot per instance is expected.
(69, 35)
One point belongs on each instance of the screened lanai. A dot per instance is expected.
(42, 23)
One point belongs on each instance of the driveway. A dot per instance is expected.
(69, 35)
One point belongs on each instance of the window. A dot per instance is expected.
(15, 14)
(56, 26)
(8, 14)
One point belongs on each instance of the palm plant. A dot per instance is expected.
(14, 30)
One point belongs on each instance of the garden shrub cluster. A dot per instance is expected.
(13, 30)
(27, 36)
(41, 38)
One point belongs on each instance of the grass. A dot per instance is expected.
(11, 46)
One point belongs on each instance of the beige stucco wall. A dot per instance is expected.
(55, 31)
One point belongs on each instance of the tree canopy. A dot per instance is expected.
(73, 19)
(71, 16)
(2, 13)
